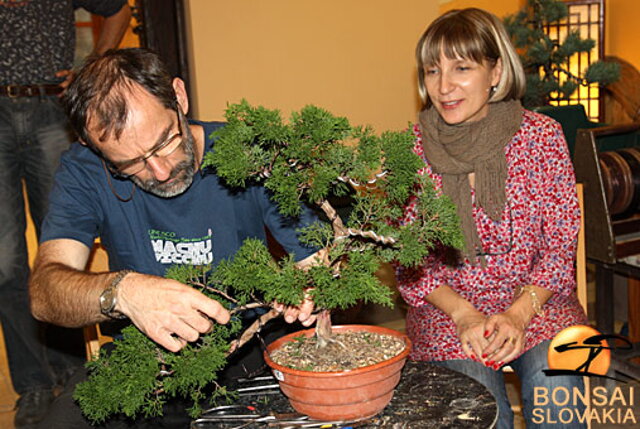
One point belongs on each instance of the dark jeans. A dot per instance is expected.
(33, 134)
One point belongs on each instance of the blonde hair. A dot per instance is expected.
(476, 35)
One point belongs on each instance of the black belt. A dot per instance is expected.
(13, 91)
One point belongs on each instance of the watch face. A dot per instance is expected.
(107, 300)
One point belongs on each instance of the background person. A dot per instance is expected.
(508, 172)
(37, 51)
(135, 182)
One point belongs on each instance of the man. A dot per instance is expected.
(36, 53)
(135, 181)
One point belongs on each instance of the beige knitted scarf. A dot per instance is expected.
(455, 151)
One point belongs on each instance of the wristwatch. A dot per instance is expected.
(109, 299)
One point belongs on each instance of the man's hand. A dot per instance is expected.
(168, 312)
(68, 77)
(302, 313)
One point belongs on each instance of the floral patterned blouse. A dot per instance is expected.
(534, 243)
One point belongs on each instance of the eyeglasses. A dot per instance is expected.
(163, 150)
(508, 249)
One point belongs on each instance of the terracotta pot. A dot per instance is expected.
(346, 395)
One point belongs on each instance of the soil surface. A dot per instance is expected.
(347, 351)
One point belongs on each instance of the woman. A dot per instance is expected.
(508, 171)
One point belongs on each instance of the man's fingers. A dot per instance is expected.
(170, 313)
(168, 341)
(310, 321)
(181, 343)
(186, 332)
(213, 309)
(291, 314)
(302, 312)
(200, 323)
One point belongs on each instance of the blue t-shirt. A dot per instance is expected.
(148, 234)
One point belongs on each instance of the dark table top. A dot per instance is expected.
(427, 397)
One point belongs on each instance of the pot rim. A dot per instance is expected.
(309, 332)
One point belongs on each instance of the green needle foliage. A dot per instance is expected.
(317, 156)
(136, 376)
(545, 59)
(312, 159)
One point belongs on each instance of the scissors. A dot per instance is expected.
(247, 415)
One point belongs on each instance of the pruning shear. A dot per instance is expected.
(247, 415)
(272, 388)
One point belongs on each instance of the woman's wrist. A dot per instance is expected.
(521, 312)
(527, 305)
(464, 310)
(536, 304)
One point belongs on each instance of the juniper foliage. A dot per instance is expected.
(317, 156)
(313, 158)
(545, 59)
(136, 376)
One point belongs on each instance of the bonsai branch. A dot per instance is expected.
(215, 291)
(357, 184)
(247, 307)
(368, 234)
(252, 330)
(341, 232)
(339, 229)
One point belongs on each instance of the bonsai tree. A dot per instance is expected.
(312, 159)
(545, 59)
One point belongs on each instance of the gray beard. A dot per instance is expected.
(182, 173)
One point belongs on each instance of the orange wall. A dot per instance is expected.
(352, 57)
(498, 7)
(623, 31)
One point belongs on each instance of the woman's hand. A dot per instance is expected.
(470, 325)
(505, 332)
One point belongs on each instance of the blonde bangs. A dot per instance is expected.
(454, 41)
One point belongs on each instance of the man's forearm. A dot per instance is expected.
(67, 297)
(113, 28)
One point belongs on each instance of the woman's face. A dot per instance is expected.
(459, 89)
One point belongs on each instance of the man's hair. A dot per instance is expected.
(471, 34)
(98, 93)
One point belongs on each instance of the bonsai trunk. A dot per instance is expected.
(324, 333)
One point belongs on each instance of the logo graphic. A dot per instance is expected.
(582, 350)
(172, 249)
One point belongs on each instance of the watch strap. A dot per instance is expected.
(112, 290)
